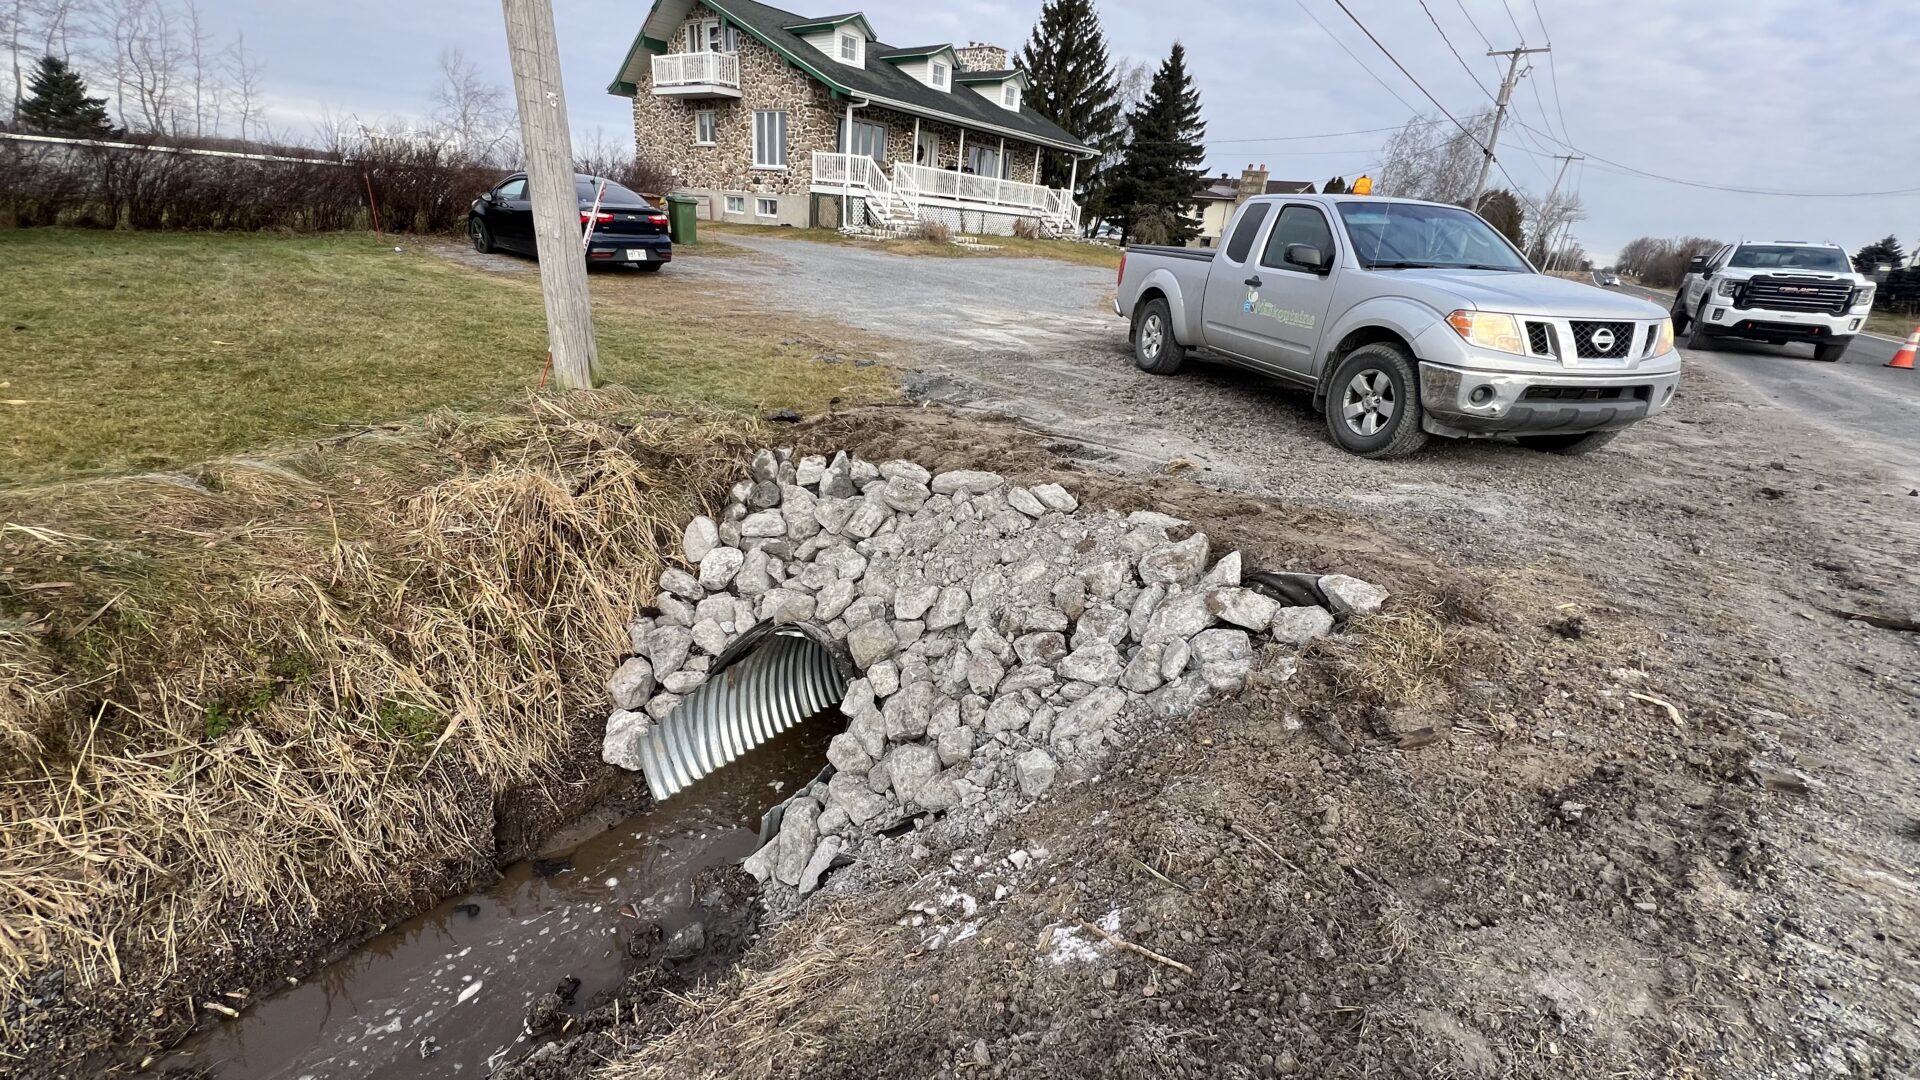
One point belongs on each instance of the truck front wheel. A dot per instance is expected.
(1679, 313)
(1154, 350)
(1373, 402)
(1828, 352)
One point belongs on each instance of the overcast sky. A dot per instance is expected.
(1796, 95)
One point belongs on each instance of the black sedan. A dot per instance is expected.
(624, 231)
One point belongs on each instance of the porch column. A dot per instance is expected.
(846, 170)
(1000, 165)
(1037, 151)
(960, 162)
(913, 155)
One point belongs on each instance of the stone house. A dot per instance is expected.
(1220, 196)
(774, 118)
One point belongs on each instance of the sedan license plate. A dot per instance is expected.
(636, 254)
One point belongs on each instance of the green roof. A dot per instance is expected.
(884, 84)
(814, 26)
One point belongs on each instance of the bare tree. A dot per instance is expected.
(243, 89)
(471, 112)
(206, 95)
(1551, 220)
(1430, 158)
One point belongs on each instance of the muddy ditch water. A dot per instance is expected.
(448, 993)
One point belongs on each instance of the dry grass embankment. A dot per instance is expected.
(259, 684)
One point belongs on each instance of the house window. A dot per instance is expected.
(939, 75)
(766, 207)
(850, 48)
(869, 139)
(736, 204)
(1010, 97)
(983, 161)
(770, 139)
(703, 127)
(708, 35)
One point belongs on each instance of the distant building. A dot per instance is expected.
(1220, 196)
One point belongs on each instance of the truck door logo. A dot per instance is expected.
(1252, 306)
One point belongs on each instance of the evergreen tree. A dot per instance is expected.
(1335, 186)
(1883, 251)
(1072, 84)
(57, 103)
(1161, 168)
(1502, 211)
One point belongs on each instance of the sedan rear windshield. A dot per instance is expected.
(1791, 257)
(615, 195)
(1403, 236)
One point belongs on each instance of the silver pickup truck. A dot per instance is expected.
(1405, 319)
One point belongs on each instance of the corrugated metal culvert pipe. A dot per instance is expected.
(768, 680)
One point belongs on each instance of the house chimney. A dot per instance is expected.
(979, 56)
(1252, 182)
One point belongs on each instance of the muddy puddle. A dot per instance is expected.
(446, 994)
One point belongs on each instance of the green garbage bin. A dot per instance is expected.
(681, 217)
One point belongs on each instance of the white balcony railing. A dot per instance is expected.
(697, 69)
(910, 187)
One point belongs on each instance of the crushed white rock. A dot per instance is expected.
(1004, 637)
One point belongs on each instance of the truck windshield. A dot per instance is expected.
(1791, 257)
(1403, 236)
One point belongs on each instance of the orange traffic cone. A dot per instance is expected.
(1904, 358)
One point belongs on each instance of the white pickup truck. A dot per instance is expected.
(1777, 291)
(1404, 319)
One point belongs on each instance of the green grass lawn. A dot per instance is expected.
(132, 351)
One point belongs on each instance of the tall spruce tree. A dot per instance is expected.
(1160, 171)
(1072, 84)
(57, 102)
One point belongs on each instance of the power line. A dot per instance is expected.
(1327, 135)
(1461, 4)
(1630, 170)
(1559, 106)
(1456, 52)
(1517, 32)
(1416, 82)
(1363, 67)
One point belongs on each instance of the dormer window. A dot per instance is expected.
(939, 75)
(850, 48)
(1010, 97)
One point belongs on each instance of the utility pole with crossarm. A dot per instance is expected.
(535, 54)
(1500, 113)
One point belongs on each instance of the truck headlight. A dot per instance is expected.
(1863, 298)
(1725, 287)
(1489, 330)
(1665, 343)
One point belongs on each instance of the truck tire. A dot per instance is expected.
(1701, 335)
(1568, 445)
(1828, 352)
(1154, 350)
(1373, 402)
(1679, 314)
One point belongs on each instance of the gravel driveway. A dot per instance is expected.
(1724, 546)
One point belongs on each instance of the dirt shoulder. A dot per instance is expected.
(1616, 788)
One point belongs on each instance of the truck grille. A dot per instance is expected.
(1540, 339)
(1602, 340)
(1779, 293)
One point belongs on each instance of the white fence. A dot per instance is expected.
(697, 69)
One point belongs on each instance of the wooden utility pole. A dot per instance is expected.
(556, 206)
(1499, 114)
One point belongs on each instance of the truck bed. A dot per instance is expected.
(1197, 254)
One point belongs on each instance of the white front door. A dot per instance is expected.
(927, 150)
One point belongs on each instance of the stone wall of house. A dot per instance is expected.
(663, 132)
(979, 56)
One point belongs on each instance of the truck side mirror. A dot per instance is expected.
(1308, 256)
(1696, 264)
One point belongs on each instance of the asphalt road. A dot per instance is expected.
(1859, 398)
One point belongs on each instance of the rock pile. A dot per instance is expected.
(1002, 636)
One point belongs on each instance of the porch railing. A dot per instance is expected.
(912, 185)
(697, 69)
